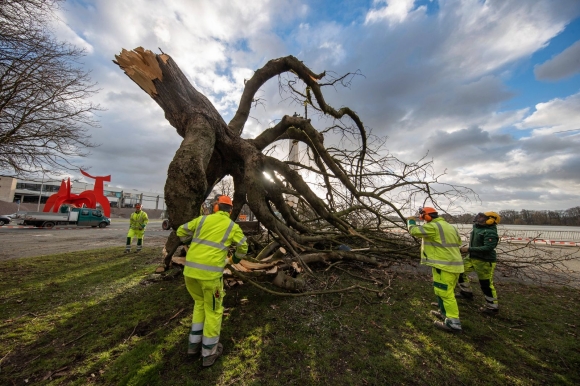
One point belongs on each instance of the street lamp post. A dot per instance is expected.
(40, 195)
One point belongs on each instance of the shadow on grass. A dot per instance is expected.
(100, 317)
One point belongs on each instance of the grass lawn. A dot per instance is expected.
(100, 317)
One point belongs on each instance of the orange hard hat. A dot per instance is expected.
(427, 213)
(137, 205)
(225, 200)
(427, 210)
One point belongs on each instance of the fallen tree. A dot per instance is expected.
(345, 202)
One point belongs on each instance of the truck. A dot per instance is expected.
(67, 216)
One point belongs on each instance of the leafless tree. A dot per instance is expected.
(45, 110)
(350, 197)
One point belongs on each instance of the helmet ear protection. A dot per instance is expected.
(427, 214)
(222, 200)
(492, 218)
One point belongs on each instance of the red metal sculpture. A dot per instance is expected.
(88, 198)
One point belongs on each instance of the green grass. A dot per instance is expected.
(99, 317)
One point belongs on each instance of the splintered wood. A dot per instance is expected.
(269, 268)
(141, 66)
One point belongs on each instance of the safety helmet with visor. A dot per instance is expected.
(221, 202)
(427, 213)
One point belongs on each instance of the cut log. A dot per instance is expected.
(287, 282)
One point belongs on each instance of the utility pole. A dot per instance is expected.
(40, 195)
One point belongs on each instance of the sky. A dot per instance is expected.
(489, 90)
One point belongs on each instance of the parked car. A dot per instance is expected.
(4, 220)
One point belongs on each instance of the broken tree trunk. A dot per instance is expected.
(356, 183)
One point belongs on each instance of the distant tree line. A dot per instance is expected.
(570, 217)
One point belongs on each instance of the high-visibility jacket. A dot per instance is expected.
(210, 236)
(440, 244)
(138, 220)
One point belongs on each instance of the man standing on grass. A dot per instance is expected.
(209, 238)
(482, 259)
(137, 223)
(440, 250)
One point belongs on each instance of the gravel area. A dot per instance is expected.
(27, 242)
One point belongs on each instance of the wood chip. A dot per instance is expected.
(178, 260)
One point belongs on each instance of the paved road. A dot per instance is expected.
(28, 242)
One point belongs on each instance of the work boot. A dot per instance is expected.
(489, 311)
(443, 326)
(127, 250)
(193, 348)
(210, 360)
(138, 250)
(437, 314)
(464, 295)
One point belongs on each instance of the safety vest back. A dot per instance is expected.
(211, 236)
(440, 245)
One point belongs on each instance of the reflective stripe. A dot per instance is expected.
(441, 233)
(209, 346)
(228, 231)
(443, 243)
(241, 255)
(197, 327)
(204, 267)
(443, 262)
(195, 338)
(242, 241)
(439, 245)
(490, 299)
(185, 226)
(209, 243)
(196, 333)
(198, 230)
(210, 341)
(422, 230)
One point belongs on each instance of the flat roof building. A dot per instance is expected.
(37, 191)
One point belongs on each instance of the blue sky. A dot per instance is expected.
(484, 85)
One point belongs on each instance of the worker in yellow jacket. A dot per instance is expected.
(440, 250)
(209, 238)
(137, 223)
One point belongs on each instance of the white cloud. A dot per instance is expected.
(563, 65)
(503, 119)
(489, 35)
(432, 82)
(555, 115)
(394, 11)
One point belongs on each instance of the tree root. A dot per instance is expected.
(379, 293)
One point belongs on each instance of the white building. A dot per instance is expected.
(37, 191)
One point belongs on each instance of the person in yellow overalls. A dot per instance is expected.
(137, 223)
(209, 238)
(440, 250)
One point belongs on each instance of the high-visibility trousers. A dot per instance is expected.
(444, 284)
(484, 271)
(208, 310)
(139, 233)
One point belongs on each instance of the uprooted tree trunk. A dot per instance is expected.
(365, 188)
